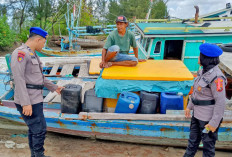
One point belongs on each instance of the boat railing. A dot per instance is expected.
(81, 31)
(187, 29)
(181, 20)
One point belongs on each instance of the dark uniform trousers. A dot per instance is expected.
(195, 137)
(37, 128)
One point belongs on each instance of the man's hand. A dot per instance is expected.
(142, 60)
(59, 89)
(102, 64)
(27, 110)
(211, 128)
(187, 113)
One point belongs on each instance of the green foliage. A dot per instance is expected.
(59, 29)
(159, 11)
(49, 15)
(87, 18)
(7, 37)
(24, 34)
(136, 8)
(114, 11)
(3, 10)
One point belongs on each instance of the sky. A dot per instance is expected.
(185, 8)
(2, 1)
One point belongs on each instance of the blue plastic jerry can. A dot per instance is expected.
(170, 101)
(128, 102)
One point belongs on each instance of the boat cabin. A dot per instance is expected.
(180, 41)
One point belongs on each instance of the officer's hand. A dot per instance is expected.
(59, 89)
(187, 113)
(142, 60)
(27, 110)
(211, 128)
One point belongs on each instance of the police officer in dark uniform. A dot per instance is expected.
(207, 102)
(29, 82)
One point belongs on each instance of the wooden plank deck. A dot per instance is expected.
(179, 116)
(67, 70)
(64, 69)
(70, 69)
(84, 72)
(226, 62)
(51, 95)
(54, 69)
(56, 98)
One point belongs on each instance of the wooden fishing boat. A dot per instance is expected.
(181, 40)
(86, 43)
(48, 52)
(170, 129)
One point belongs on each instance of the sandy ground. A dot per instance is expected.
(13, 143)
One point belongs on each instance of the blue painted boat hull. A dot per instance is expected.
(158, 132)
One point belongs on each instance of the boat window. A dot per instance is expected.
(147, 44)
(230, 12)
(157, 47)
(173, 49)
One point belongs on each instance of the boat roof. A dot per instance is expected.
(144, 28)
(216, 13)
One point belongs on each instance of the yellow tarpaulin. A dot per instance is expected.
(157, 70)
(94, 68)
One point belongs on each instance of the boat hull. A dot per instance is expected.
(56, 53)
(82, 53)
(157, 132)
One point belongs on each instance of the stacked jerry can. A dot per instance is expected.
(92, 103)
(148, 102)
(170, 101)
(128, 102)
(71, 100)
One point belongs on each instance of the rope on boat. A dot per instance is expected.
(56, 21)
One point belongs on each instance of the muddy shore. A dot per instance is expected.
(13, 143)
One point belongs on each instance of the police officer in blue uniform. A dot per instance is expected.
(207, 102)
(29, 82)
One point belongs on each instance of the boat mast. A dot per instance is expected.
(149, 11)
(71, 27)
(79, 13)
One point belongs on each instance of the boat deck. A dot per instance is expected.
(226, 62)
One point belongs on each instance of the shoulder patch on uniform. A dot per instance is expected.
(219, 84)
(21, 55)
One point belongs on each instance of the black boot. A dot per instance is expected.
(32, 153)
(40, 154)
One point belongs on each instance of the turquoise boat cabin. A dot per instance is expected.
(180, 41)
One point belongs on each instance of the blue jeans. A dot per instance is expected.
(120, 57)
(37, 128)
(123, 57)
